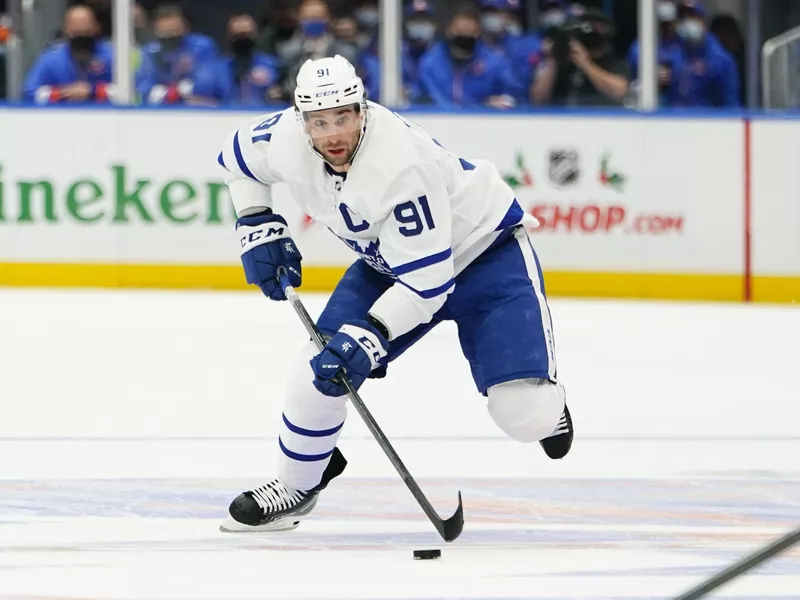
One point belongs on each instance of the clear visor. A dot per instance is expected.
(333, 122)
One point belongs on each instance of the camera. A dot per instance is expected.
(591, 28)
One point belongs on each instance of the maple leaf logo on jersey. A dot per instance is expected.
(371, 249)
(521, 177)
(371, 254)
(609, 178)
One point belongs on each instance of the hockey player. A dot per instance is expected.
(439, 238)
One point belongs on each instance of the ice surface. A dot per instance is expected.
(130, 420)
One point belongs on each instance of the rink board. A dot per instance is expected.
(630, 206)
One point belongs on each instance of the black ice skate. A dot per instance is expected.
(558, 444)
(277, 507)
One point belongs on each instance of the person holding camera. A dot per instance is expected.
(580, 68)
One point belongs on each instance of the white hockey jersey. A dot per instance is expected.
(411, 209)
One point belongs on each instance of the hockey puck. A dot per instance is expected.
(427, 554)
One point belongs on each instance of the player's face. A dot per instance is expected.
(335, 133)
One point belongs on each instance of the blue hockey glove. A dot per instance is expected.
(266, 245)
(356, 350)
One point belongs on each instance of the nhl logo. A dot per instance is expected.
(564, 168)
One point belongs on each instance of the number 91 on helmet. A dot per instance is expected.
(330, 104)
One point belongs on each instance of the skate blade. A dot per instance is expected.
(231, 525)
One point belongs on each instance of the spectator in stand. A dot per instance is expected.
(171, 63)
(514, 26)
(462, 71)
(368, 67)
(729, 33)
(367, 62)
(367, 17)
(280, 31)
(420, 29)
(316, 41)
(670, 52)
(345, 30)
(708, 77)
(75, 70)
(580, 68)
(244, 76)
(499, 24)
(142, 35)
(142, 32)
(102, 12)
(552, 15)
(420, 34)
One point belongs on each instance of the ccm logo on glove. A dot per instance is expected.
(356, 350)
(370, 347)
(267, 247)
(255, 236)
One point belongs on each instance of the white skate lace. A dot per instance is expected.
(276, 496)
(562, 427)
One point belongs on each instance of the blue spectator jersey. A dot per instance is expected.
(670, 54)
(369, 69)
(708, 77)
(218, 80)
(524, 53)
(451, 85)
(161, 72)
(411, 62)
(56, 68)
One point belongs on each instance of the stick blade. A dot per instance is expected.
(452, 527)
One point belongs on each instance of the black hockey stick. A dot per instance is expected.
(450, 528)
(744, 565)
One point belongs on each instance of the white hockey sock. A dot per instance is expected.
(311, 425)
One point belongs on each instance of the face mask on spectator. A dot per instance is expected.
(367, 18)
(285, 30)
(314, 28)
(554, 18)
(83, 44)
(691, 30)
(513, 28)
(421, 32)
(667, 11)
(142, 35)
(493, 24)
(465, 44)
(243, 46)
(170, 43)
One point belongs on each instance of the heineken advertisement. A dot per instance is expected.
(627, 206)
(114, 196)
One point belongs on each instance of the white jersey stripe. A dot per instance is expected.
(533, 273)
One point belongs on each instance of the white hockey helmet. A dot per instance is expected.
(327, 83)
